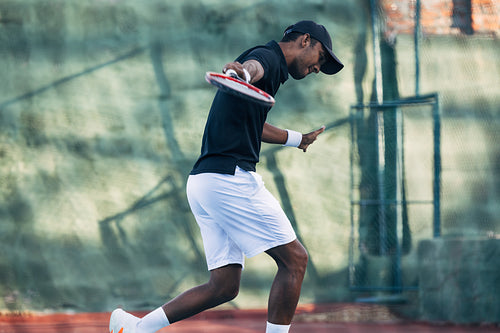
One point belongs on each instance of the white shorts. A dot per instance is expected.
(237, 216)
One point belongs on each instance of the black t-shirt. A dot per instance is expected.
(233, 131)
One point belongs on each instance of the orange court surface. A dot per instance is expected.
(345, 318)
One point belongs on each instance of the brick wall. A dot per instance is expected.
(443, 17)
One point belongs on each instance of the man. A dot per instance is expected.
(236, 214)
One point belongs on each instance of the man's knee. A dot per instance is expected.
(224, 291)
(301, 259)
(230, 292)
(225, 284)
(292, 257)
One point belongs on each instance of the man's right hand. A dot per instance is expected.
(253, 67)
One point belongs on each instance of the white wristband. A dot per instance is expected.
(294, 139)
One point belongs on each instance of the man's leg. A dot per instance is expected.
(222, 287)
(285, 291)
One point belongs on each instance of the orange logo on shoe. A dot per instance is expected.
(120, 331)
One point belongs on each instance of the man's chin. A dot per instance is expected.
(298, 76)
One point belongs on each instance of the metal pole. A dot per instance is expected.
(377, 58)
(437, 169)
(379, 122)
(379, 127)
(417, 47)
(398, 279)
(352, 271)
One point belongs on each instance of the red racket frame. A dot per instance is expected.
(267, 100)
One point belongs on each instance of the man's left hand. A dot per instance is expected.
(309, 138)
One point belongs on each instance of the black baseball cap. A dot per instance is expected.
(318, 32)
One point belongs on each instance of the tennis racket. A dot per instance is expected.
(234, 85)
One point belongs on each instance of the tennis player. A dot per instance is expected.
(238, 217)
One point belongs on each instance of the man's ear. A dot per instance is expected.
(305, 40)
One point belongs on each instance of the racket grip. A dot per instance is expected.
(232, 73)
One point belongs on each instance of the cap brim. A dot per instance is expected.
(333, 65)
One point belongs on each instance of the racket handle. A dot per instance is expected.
(232, 73)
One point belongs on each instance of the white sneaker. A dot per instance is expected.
(122, 322)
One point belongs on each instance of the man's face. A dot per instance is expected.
(310, 60)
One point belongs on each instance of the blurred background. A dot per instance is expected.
(102, 110)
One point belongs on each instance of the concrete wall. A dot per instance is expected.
(102, 108)
(460, 280)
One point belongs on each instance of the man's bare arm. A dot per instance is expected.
(273, 134)
(253, 67)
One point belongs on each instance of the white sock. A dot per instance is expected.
(273, 328)
(153, 321)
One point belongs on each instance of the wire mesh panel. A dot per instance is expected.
(395, 186)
